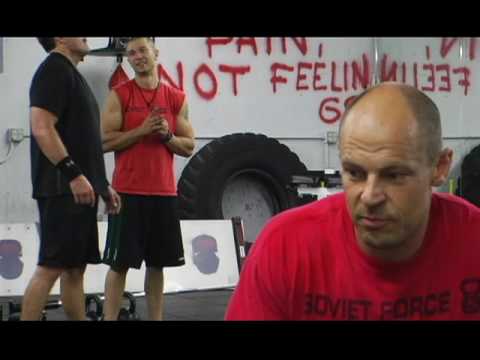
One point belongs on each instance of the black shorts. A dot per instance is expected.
(68, 233)
(147, 228)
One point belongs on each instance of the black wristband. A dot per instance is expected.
(167, 137)
(69, 169)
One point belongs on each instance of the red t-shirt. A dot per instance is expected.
(307, 265)
(147, 167)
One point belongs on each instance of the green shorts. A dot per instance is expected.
(147, 229)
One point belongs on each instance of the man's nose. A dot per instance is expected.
(373, 192)
(137, 55)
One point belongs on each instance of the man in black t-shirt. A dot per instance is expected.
(68, 175)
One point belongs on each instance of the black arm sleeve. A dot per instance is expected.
(50, 87)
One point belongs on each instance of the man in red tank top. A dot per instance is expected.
(145, 122)
(385, 249)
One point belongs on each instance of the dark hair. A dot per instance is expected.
(426, 113)
(151, 39)
(48, 43)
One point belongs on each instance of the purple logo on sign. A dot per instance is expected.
(205, 254)
(11, 266)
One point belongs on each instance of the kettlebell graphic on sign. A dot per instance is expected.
(205, 254)
(11, 266)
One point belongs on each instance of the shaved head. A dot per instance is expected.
(397, 97)
(391, 156)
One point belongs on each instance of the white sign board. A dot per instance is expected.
(210, 259)
(18, 257)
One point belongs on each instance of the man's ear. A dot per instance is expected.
(58, 40)
(442, 167)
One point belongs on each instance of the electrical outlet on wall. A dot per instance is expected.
(332, 137)
(15, 135)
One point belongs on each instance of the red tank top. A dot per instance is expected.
(147, 167)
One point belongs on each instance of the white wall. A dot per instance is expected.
(289, 114)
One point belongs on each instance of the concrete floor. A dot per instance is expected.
(207, 305)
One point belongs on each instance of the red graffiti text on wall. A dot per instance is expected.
(336, 79)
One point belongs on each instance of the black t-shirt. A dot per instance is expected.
(58, 87)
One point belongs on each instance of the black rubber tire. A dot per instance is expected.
(201, 186)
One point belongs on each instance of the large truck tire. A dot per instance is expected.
(245, 175)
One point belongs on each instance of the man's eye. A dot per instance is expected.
(354, 174)
(395, 176)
